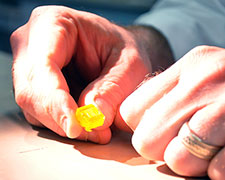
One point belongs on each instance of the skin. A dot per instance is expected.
(73, 58)
(192, 90)
(64, 58)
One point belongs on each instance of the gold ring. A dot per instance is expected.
(197, 146)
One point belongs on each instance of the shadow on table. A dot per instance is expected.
(119, 149)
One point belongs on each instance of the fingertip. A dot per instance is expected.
(105, 136)
(102, 105)
(72, 128)
(69, 123)
(182, 162)
(216, 168)
(107, 111)
(145, 146)
(120, 123)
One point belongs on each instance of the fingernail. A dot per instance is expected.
(70, 124)
(73, 128)
(107, 110)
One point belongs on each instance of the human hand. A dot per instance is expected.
(61, 53)
(192, 90)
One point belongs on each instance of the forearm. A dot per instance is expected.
(187, 24)
(155, 46)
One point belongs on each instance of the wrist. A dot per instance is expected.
(154, 44)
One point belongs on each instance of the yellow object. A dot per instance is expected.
(89, 117)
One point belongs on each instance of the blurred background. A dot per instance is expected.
(14, 13)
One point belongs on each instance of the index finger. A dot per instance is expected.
(134, 106)
(40, 49)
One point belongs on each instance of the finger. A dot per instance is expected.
(44, 94)
(52, 35)
(19, 42)
(55, 111)
(101, 137)
(216, 168)
(134, 106)
(57, 129)
(116, 81)
(40, 88)
(186, 71)
(208, 125)
(161, 122)
(32, 120)
(49, 34)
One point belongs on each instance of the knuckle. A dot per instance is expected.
(13, 36)
(47, 10)
(208, 51)
(198, 52)
(146, 147)
(43, 13)
(16, 36)
(38, 10)
(201, 49)
(47, 107)
(21, 99)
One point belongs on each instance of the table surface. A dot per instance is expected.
(34, 153)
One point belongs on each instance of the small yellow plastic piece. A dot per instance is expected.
(89, 117)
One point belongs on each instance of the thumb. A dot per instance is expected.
(55, 110)
(119, 77)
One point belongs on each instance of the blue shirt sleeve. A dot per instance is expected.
(188, 23)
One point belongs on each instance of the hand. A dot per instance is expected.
(192, 90)
(61, 53)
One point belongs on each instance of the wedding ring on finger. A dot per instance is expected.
(197, 146)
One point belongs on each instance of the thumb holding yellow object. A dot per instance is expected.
(116, 81)
(89, 117)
